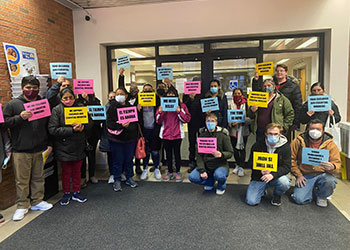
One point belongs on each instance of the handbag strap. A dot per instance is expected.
(140, 131)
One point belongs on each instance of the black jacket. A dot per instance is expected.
(223, 106)
(26, 136)
(305, 118)
(194, 107)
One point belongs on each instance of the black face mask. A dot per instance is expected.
(133, 93)
(160, 92)
(148, 91)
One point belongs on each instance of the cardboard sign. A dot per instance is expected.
(78, 115)
(264, 68)
(192, 87)
(39, 109)
(83, 85)
(180, 85)
(169, 103)
(314, 156)
(61, 69)
(265, 161)
(1, 115)
(206, 145)
(123, 62)
(319, 103)
(210, 104)
(236, 115)
(147, 99)
(97, 113)
(259, 99)
(164, 72)
(233, 84)
(128, 114)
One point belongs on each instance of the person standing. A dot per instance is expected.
(5, 152)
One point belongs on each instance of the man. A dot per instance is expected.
(132, 97)
(276, 143)
(53, 94)
(29, 140)
(213, 167)
(321, 178)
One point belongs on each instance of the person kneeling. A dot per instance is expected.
(262, 179)
(213, 167)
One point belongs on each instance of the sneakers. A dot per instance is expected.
(116, 186)
(65, 199)
(321, 202)
(123, 178)
(43, 206)
(240, 172)
(157, 174)
(130, 182)
(235, 171)
(276, 200)
(169, 176)
(77, 196)
(1, 218)
(19, 214)
(208, 188)
(93, 180)
(111, 179)
(178, 177)
(220, 192)
(144, 175)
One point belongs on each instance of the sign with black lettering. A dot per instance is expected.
(169, 103)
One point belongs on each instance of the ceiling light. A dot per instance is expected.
(132, 53)
(282, 61)
(307, 43)
(288, 41)
(278, 42)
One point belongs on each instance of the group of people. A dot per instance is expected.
(164, 131)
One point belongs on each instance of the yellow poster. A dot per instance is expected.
(75, 115)
(259, 99)
(147, 99)
(264, 68)
(265, 161)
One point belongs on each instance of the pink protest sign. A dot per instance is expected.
(206, 145)
(1, 115)
(192, 87)
(128, 114)
(83, 86)
(39, 109)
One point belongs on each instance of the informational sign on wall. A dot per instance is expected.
(210, 104)
(206, 145)
(78, 115)
(233, 84)
(97, 112)
(83, 86)
(58, 69)
(236, 115)
(169, 103)
(314, 157)
(259, 99)
(264, 68)
(164, 72)
(319, 103)
(147, 99)
(265, 161)
(128, 114)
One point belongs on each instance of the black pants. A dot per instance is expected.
(239, 154)
(192, 139)
(91, 155)
(110, 162)
(170, 147)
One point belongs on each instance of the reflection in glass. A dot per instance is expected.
(181, 49)
(291, 43)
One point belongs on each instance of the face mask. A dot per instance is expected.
(273, 139)
(133, 93)
(213, 90)
(269, 89)
(160, 92)
(237, 98)
(315, 134)
(211, 125)
(31, 94)
(148, 91)
(120, 98)
(68, 103)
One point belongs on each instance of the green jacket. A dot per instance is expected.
(282, 113)
(207, 162)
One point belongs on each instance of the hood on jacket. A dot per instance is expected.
(218, 129)
(303, 138)
(283, 140)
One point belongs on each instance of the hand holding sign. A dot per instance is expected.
(25, 115)
(217, 154)
(327, 166)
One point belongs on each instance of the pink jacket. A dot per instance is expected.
(171, 122)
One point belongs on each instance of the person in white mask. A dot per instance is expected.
(314, 178)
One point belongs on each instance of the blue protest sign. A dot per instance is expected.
(61, 69)
(236, 115)
(210, 104)
(97, 112)
(233, 84)
(169, 103)
(319, 103)
(314, 156)
(123, 62)
(164, 72)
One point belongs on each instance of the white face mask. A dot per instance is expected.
(120, 98)
(315, 134)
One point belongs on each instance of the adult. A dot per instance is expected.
(5, 152)
(53, 93)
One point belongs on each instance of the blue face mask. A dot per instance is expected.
(269, 89)
(211, 125)
(273, 139)
(213, 90)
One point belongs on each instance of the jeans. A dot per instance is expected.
(170, 146)
(148, 134)
(110, 162)
(239, 154)
(324, 184)
(123, 154)
(219, 175)
(256, 189)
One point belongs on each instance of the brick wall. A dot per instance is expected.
(41, 24)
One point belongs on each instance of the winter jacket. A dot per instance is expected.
(207, 162)
(246, 125)
(223, 106)
(298, 169)
(282, 148)
(305, 118)
(5, 146)
(53, 95)
(104, 143)
(194, 108)
(282, 113)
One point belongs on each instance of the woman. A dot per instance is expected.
(69, 146)
(279, 110)
(122, 139)
(308, 115)
(239, 132)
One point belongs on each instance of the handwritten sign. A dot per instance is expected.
(233, 84)
(83, 85)
(259, 99)
(78, 115)
(123, 62)
(264, 68)
(206, 145)
(164, 72)
(314, 156)
(39, 109)
(97, 112)
(319, 103)
(169, 103)
(1, 115)
(210, 104)
(128, 114)
(265, 161)
(61, 69)
(192, 87)
(147, 99)
(236, 115)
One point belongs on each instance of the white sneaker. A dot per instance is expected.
(111, 179)
(43, 206)
(144, 175)
(240, 172)
(19, 214)
(321, 202)
(157, 174)
(93, 180)
(208, 188)
(220, 192)
(123, 178)
(235, 171)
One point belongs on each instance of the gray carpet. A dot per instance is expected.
(181, 216)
